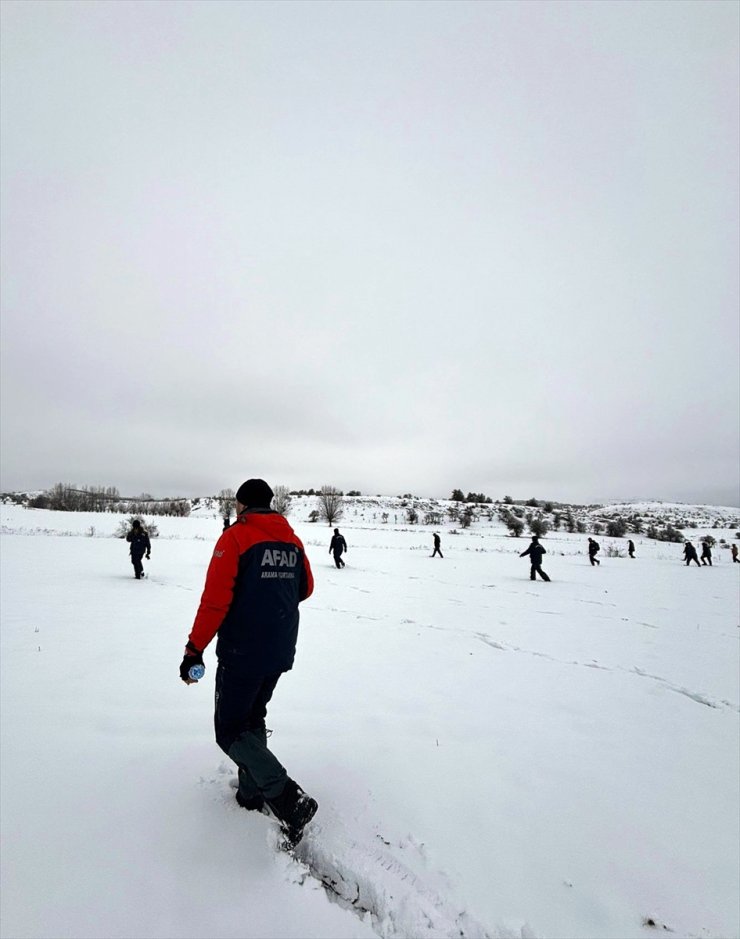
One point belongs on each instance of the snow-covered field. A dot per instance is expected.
(492, 757)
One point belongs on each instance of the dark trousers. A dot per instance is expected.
(138, 566)
(694, 559)
(437, 551)
(593, 559)
(239, 718)
(537, 569)
(706, 560)
(338, 559)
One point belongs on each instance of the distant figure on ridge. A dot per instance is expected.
(535, 552)
(140, 545)
(706, 554)
(337, 546)
(593, 550)
(689, 552)
(437, 549)
(631, 548)
(735, 559)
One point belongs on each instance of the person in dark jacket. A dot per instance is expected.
(258, 575)
(140, 546)
(337, 546)
(631, 548)
(437, 543)
(689, 552)
(706, 554)
(535, 552)
(593, 550)
(734, 551)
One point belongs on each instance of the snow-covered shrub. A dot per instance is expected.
(538, 526)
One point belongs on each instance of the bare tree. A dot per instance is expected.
(330, 504)
(281, 500)
(226, 503)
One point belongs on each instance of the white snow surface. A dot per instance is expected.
(492, 757)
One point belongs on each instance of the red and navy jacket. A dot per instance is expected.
(258, 575)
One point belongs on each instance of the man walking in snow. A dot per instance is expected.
(138, 538)
(706, 553)
(631, 548)
(593, 550)
(437, 543)
(689, 552)
(258, 575)
(336, 547)
(734, 551)
(535, 552)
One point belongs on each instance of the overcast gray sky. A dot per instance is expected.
(392, 246)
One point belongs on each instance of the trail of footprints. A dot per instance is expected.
(371, 881)
(696, 696)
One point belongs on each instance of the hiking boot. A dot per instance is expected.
(251, 803)
(293, 809)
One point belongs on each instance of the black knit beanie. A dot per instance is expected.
(255, 494)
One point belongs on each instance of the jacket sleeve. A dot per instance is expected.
(218, 591)
(130, 537)
(306, 586)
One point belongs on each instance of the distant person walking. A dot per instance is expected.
(437, 549)
(140, 546)
(337, 547)
(593, 549)
(631, 548)
(735, 558)
(689, 552)
(535, 552)
(706, 554)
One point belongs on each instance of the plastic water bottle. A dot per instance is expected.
(196, 672)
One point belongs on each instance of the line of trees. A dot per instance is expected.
(64, 497)
(477, 497)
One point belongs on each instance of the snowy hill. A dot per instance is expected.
(381, 510)
(492, 757)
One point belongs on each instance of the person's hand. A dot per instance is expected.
(192, 657)
(148, 557)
